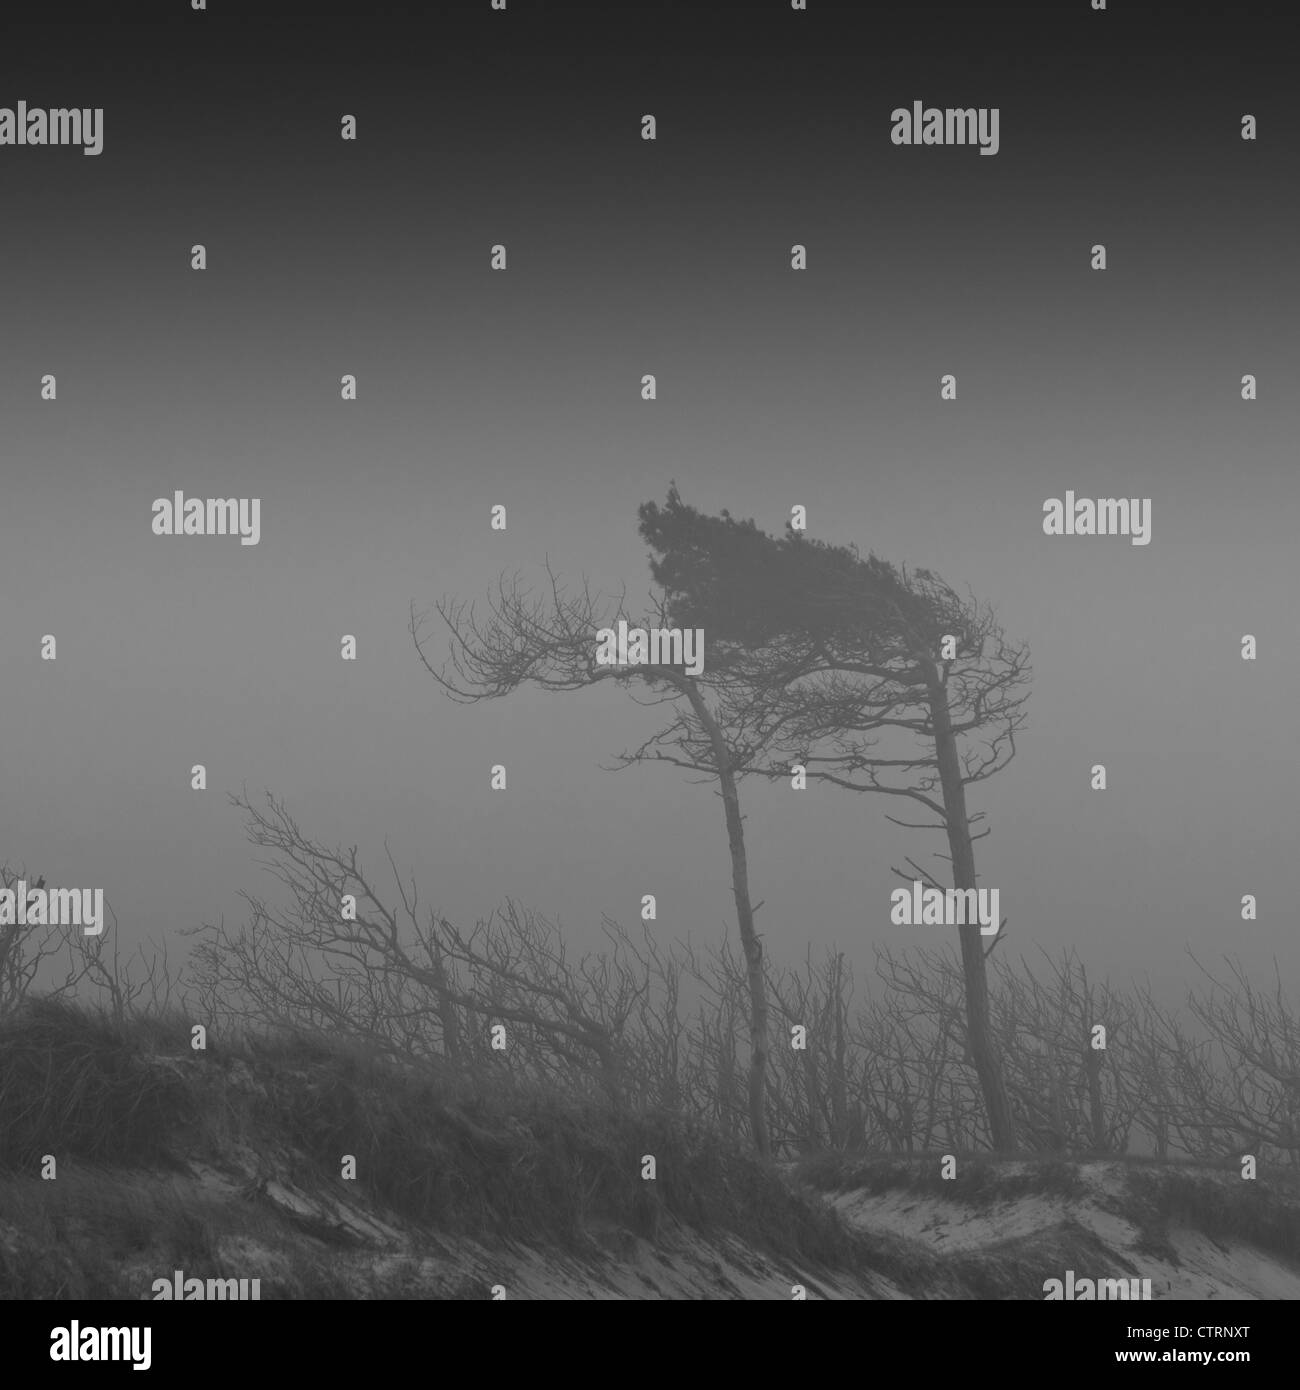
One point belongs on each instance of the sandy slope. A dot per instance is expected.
(302, 1240)
(1098, 1231)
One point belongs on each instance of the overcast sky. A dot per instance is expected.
(523, 388)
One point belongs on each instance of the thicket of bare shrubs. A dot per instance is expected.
(641, 1025)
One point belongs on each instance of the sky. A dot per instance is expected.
(522, 388)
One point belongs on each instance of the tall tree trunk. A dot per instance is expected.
(753, 947)
(988, 1066)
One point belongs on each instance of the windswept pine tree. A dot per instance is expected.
(869, 676)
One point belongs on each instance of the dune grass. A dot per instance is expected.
(72, 1085)
(444, 1154)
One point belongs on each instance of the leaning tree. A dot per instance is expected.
(548, 639)
(867, 675)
